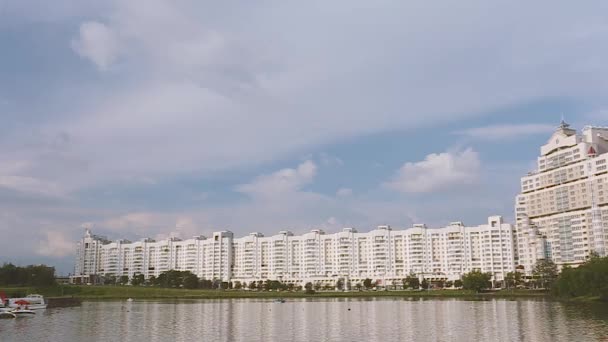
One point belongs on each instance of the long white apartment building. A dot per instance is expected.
(562, 211)
(383, 255)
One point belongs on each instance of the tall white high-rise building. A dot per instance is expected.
(384, 255)
(562, 211)
(89, 256)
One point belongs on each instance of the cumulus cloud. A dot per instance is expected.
(280, 182)
(98, 43)
(437, 172)
(506, 131)
(189, 71)
(56, 245)
(156, 224)
(206, 88)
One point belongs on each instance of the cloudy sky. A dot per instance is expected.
(155, 118)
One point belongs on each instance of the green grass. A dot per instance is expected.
(122, 292)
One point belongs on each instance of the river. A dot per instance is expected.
(367, 320)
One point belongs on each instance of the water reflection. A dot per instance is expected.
(315, 320)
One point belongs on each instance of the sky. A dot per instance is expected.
(154, 118)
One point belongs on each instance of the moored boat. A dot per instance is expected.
(22, 312)
(30, 302)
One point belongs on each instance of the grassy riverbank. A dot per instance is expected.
(123, 292)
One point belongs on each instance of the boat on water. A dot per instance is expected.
(22, 312)
(279, 300)
(30, 302)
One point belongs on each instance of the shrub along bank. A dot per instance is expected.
(588, 281)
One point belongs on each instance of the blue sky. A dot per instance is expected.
(155, 118)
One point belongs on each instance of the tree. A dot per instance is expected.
(267, 285)
(512, 279)
(340, 284)
(252, 285)
(309, 288)
(587, 280)
(124, 280)
(411, 282)
(291, 286)
(152, 280)
(449, 283)
(109, 279)
(32, 275)
(190, 280)
(424, 284)
(476, 281)
(177, 279)
(318, 286)
(138, 279)
(545, 272)
(237, 285)
(274, 285)
(368, 283)
(358, 286)
(457, 283)
(205, 284)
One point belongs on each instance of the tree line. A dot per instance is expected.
(167, 279)
(587, 280)
(32, 275)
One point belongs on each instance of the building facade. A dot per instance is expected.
(562, 211)
(384, 255)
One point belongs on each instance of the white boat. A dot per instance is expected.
(30, 302)
(22, 312)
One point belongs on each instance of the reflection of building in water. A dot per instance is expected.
(562, 211)
(383, 255)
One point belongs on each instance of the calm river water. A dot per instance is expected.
(365, 320)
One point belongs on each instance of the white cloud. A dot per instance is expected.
(97, 42)
(344, 192)
(437, 172)
(14, 176)
(194, 75)
(156, 224)
(506, 131)
(281, 182)
(205, 88)
(56, 245)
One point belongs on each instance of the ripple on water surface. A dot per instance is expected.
(314, 320)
